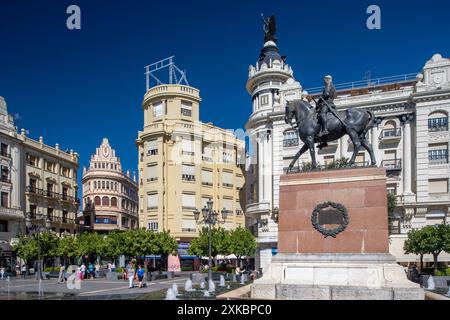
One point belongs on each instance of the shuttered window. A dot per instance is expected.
(188, 172)
(228, 204)
(188, 225)
(207, 177)
(158, 109)
(227, 179)
(152, 201)
(188, 200)
(152, 173)
(438, 186)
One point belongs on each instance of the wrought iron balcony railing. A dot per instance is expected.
(393, 164)
(390, 134)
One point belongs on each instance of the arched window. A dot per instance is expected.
(113, 202)
(107, 184)
(103, 184)
(123, 204)
(105, 201)
(390, 129)
(438, 121)
(97, 201)
(95, 184)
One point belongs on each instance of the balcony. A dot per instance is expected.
(390, 135)
(50, 194)
(254, 210)
(207, 158)
(188, 177)
(227, 185)
(5, 154)
(209, 184)
(5, 179)
(6, 212)
(54, 219)
(392, 165)
(188, 230)
(438, 156)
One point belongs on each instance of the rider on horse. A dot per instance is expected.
(326, 102)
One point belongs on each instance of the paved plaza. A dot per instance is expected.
(88, 289)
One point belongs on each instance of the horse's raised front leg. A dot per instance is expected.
(368, 147)
(297, 155)
(312, 151)
(356, 146)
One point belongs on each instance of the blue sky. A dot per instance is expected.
(76, 87)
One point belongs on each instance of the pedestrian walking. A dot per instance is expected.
(24, 271)
(97, 270)
(130, 273)
(62, 272)
(237, 271)
(140, 274)
(113, 267)
(91, 270)
(83, 271)
(17, 270)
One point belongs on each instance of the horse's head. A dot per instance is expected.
(289, 112)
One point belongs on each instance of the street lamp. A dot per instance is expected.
(37, 229)
(209, 217)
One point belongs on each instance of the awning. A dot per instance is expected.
(5, 247)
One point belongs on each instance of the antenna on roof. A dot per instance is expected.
(175, 74)
(368, 77)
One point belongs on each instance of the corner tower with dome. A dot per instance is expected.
(270, 83)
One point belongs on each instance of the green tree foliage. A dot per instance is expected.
(219, 243)
(428, 240)
(139, 242)
(89, 244)
(114, 245)
(26, 248)
(241, 243)
(391, 204)
(165, 243)
(67, 247)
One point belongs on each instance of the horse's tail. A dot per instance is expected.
(369, 124)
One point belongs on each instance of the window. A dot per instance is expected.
(390, 130)
(50, 214)
(153, 226)
(438, 121)
(65, 191)
(4, 177)
(187, 147)
(32, 160)
(290, 139)
(186, 108)
(33, 185)
(113, 202)
(188, 225)
(188, 172)
(239, 182)
(227, 179)
(227, 157)
(438, 186)
(4, 199)
(152, 147)
(207, 154)
(107, 185)
(103, 184)
(152, 201)
(152, 173)
(4, 150)
(438, 153)
(64, 216)
(49, 189)
(97, 201)
(105, 201)
(158, 109)
(188, 201)
(106, 220)
(95, 185)
(228, 205)
(264, 100)
(238, 208)
(65, 171)
(50, 166)
(207, 178)
(3, 226)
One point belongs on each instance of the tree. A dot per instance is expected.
(67, 248)
(139, 242)
(429, 239)
(114, 245)
(90, 244)
(26, 248)
(219, 243)
(414, 244)
(391, 204)
(241, 243)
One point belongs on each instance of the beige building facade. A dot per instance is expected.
(51, 187)
(184, 162)
(110, 197)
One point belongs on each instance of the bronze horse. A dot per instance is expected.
(356, 124)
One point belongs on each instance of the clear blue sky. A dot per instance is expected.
(76, 87)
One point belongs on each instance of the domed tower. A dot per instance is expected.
(270, 83)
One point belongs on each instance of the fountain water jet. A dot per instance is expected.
(430, 283)
(222, 281)
(211, 286)
(170, 295)
(175, 289)
(206, 293)
(202, 285)
(188, 286)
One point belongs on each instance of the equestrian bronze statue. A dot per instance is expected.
(322, 124)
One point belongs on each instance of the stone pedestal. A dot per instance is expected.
(333, 240)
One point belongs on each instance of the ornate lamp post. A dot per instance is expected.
(37, 229)
(209, 217)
